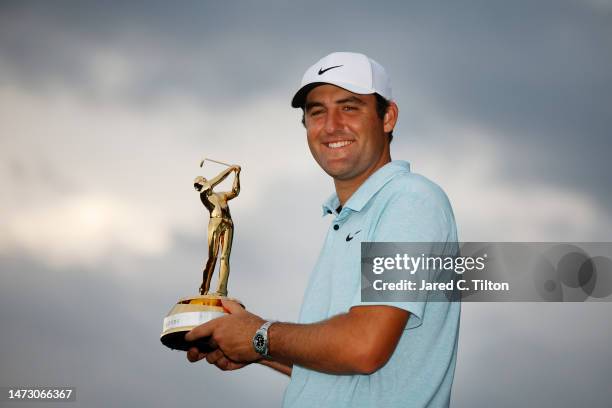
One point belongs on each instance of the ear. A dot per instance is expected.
(390, 118)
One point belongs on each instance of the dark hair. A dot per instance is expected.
(381, 108)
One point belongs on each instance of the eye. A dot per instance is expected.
(349, 108)
(316, 112)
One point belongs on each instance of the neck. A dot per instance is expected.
(346, 188)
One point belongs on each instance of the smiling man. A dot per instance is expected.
(345, 352)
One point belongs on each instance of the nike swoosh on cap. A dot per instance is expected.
(322, 71)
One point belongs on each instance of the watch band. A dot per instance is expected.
(260, 340)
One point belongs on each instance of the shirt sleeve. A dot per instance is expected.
(425, 218)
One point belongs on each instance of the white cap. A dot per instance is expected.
(349, 70)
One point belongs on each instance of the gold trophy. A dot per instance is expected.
(193, 311)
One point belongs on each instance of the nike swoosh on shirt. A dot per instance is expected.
(348, 237)
(322, 71)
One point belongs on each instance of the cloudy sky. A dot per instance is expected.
(106, 109)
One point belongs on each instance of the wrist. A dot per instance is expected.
(261, 339)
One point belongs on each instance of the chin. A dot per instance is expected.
(339, 174)
(333, 170)
(338, 167)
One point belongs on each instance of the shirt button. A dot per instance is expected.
(336, 227)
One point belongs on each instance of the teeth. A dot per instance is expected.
(335, 145)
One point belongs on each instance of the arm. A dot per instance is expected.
(236, 186)
(280, 367)
(219, 359)
(221, 176)
(357, 342)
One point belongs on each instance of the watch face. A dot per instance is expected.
(259, 342)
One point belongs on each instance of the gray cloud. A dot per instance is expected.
(101, 335)
(546, 354)
(538, 73)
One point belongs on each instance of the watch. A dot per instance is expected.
(260, 340)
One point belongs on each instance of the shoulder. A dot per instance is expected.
(409, 189)
(413, 208)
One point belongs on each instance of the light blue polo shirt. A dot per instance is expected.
(392, 205)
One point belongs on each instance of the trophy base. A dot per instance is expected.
(186, 314)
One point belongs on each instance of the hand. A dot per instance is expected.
(233, 335)
(215, 357)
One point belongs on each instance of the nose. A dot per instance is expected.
(333, 121)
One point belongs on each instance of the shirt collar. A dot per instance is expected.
(367, 190)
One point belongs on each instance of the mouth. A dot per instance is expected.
(338, 144)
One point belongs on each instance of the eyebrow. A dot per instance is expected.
(354, 99)
(310, 105)
(351, 99)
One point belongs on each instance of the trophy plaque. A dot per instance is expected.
(193, 311)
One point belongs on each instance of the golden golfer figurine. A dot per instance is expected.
(193, 311)
(220, 226)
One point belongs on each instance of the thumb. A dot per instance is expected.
(232, 307)
(203, 330)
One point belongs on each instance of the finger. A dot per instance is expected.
(200, 355)
(195, 358)
(212, 344)
(223, 363)
(232, 307)
(194, 355)
(203, 330)
(213, 356)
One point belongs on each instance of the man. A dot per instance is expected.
(345, 352)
